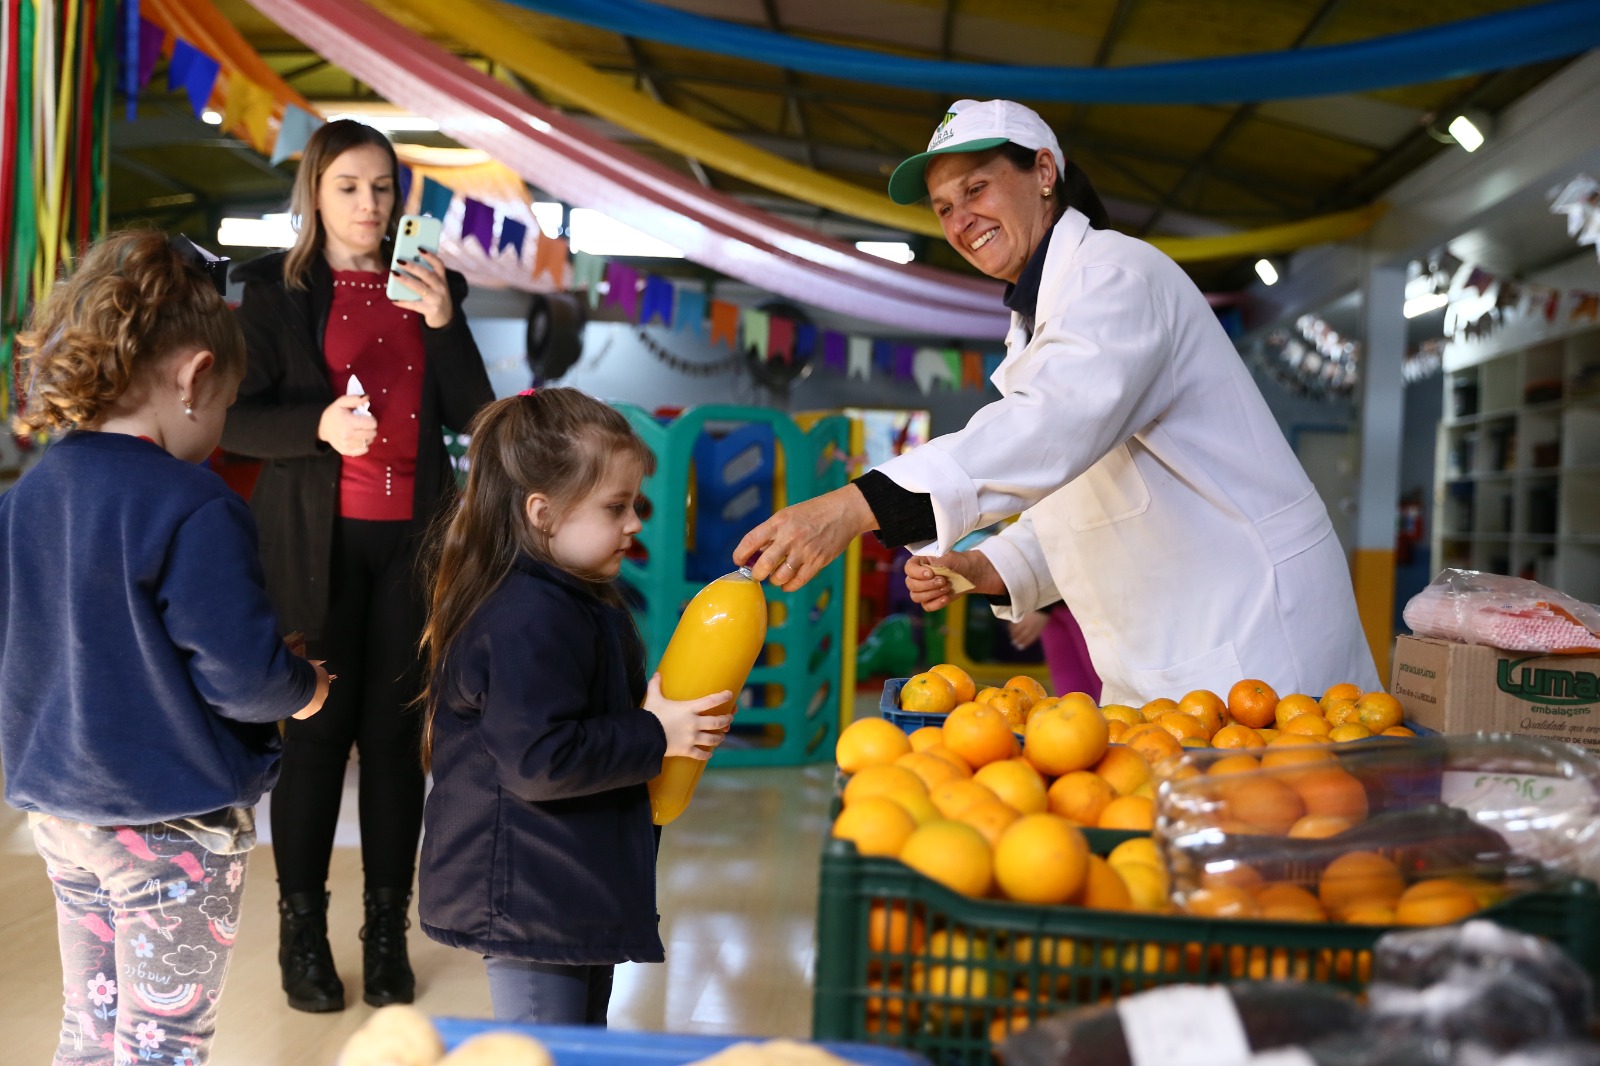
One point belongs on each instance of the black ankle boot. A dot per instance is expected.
(309, 975)
(388, 976)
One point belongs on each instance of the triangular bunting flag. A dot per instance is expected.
(296, 129)
(435, 198)
(550, 261)
(882, 356)
(972, 370)
(756, 331)
(929, 368)
(477, 222)
(513, 233)
(587, 270)
(833, 351)
(194, 72)
(780, 339)
(622, 289)
(143, 49)
(952, 368)
(805, 340)
(861, 358)
(904, 361)
(257, 116)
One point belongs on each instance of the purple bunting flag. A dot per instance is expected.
(905, 357)
(656, 300)
(622, 289)
(833, 350)
(478, 221)
(513, 233)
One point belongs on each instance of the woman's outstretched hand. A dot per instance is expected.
(693, 731)
(795, 544)
(934, 591)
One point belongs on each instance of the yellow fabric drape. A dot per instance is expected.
(480, 28)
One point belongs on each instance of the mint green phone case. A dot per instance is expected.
(416, 233)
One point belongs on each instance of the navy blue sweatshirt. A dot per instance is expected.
(141, 670)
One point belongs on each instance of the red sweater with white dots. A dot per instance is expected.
(371, 338)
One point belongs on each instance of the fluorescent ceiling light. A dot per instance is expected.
(599, 234)
(894, 251)
(1266, 271)
(1421, 305)
(389, 121)
(268, 231)
(549, 218)
(1467, 134)
(210, 117)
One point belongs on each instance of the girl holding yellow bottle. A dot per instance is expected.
(542, 734)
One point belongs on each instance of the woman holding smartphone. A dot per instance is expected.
(351, 477)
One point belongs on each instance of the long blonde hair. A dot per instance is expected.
(327, 144)
(131, 301)
(557, 442)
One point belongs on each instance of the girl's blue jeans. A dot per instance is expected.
(548, 994)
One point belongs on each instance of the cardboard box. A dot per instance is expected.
(1471, 688)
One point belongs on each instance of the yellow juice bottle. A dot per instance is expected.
(712, 650)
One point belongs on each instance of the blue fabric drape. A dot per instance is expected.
(1451, 50)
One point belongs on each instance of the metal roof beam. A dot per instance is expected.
(654, 91)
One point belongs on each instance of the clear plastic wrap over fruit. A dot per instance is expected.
(1489, 815)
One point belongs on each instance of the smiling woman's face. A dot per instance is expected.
(992, 213)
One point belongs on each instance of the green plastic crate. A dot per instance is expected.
(926, 998)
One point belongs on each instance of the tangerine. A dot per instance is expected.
(1238, 737)
(1129, 812)
(1359, 878)
(1028, 686)
(1041, 859)
(1183, 726)
(953, 797)
(1265, 803)
(890, 781)
(1228, 872)
(928, 768)
(869, 742)
(1252, 703)
(1121, 712)
(1379, 711)
(1342, 691)
(1234, 764)
(877, 825)
(1341, 712)
(889, 930)
(960, 681)
(1103, 888)
(953, 854)
(1344, 734)
(1438, 901)
(1319, 826)
(1294, 705)
(989, 817)
(926, 737)
(1222, 901)
(1331, 791)
(927, 693)
(1010, 703)
(1305, 725)
(1080, 796)
(1156, 708)
(1064, 738)
(1123, 768)
(1205, 705)
(1146, 885)
(1153, 742)
(1398, 731)
(1017, 784)
(979, 734)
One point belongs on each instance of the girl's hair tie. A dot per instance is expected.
(527, 392)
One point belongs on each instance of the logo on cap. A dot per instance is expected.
(943, 133)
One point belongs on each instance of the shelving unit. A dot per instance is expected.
(1518, 484)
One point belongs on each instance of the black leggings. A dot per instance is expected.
(375, 616)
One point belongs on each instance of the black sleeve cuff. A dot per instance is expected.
(904, 517)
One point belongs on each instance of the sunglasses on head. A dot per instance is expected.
(214, 267)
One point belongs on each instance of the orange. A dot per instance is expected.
(1237, 736)
(877, 825)
(1138, 849)
(888, 930)
(931, 770)
(1010, 703)
(1284, 894)
(1379, 711)
(1369, 914)
(1398, 731)
(1252, 703)
(1028, 687)
(1222, 901)
(1319, 826)
(953, 854)
(1295, 751)
(989, 817)
(1232, 873)
(1183, 726)
(939, 751)
(1305, 725)
(928, 694)
(979, 734)
(1153, 742)
(1017, 783)
(1156, 708)
(869, 742)
(1121, 712)
(1041, 859)
(1341, 712)
(1103, 888)
(1064, 738)
(960, 681)
(953, 797)
(1342, 691)
(1331, 791)
(1116, 730)
(1016, 713)
(1129, 812)
(1439, 901)
(890, 781)
(1205, 705)
(1234, 764)
(1268, 734)
(1123, 768)
(948, 978)
(1359, 877)
(1294, 705)
(1343, 734)
(918, 805)
(1080, 796)
(1146, 885)
(1265, 803)
(986, 694)
(926, 737)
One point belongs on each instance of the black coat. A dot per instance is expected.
(281, 400)
(538, 843)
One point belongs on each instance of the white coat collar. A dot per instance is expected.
(1065, 240)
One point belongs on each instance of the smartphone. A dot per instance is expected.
(417, 233)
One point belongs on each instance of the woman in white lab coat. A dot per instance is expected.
(1157, 495)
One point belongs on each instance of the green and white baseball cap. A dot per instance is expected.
(974, 126)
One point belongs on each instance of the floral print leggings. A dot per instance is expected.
(147, 919)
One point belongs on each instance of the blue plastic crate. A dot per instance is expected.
(572, 1045)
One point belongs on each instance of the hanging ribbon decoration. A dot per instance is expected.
(1452, 50)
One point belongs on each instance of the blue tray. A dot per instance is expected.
(573, 1045)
